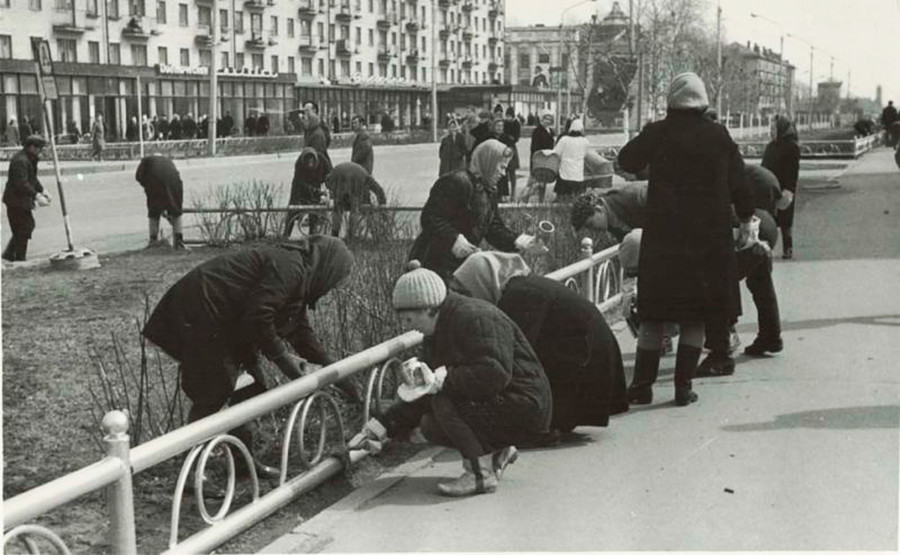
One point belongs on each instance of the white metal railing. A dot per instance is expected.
(597, 276)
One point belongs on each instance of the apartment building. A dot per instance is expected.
(267, 53)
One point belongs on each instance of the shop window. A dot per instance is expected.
(139, 54)
(165, 88)
(306, 66)
(161, 12)
(184, 57)
(239, 60)
(115, 53)
(5, 47)
(224, 62)
(10, 84)
(179, 88)
(204, 89)
(162, 55)
(182, 15)
(79, 85)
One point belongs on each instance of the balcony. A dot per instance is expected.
(307, 9)
(413, 25)
(257, 40)
(493, 37)
(204, 36)
(343, 12)
(343, 47)
(255, 5)
(495, 9)
(468, 6)
(467, 33)
(71, 22)
(140, 28)
(412, 57)
(308, 44)
(444, 61)
(447, 30)
(467, 62)
(493, 66)
(445, 3)
(385, 20)
(385, 53)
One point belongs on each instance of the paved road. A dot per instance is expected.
(794, 452)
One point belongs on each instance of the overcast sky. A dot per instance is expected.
(862, 35)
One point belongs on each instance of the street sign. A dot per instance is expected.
(44, 67)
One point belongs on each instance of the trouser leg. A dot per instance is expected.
(153, 226)
(456, 431)
(689, 349)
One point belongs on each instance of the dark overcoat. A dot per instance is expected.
(541, 139)
(578, 351)
(687, 269)
(309, 175)
(458, 203)
(452, 153)
(494, 377)
(22, 186)
(782, 157)
(362, 152)
(162, 185)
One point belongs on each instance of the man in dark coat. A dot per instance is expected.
(162, 129)
(782, 157)
(203, 127)
(541, 139)
(189, 127)
(131, 130)
(306, 188)
(165, 194)
(22, 187)
(579, 352)
(512, 128)
(227, 124)
(316, 134)
(362, 152)
(175, 128)
(25, 130)
(262, 125)
(488, 391)
(461, 211)
(452, 152)
(888, 117)
(217, 318)
(350, 187)
(483, 131)
(688, 269)
(250, 126)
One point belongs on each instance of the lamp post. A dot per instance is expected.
(811, 49)
(780, 54)
(560, 81)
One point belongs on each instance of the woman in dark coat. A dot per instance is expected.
(306, 187)
(452, 152)
(513, 129)
(503, 188)
(487, 393)
(687, 270)
(578, 351)
(350, 187)
(461, 211)
(217, 317)
(782, 157)
(164, 190)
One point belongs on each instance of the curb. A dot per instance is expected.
(311, 536)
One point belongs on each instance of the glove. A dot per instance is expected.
(462, 247)
(787, 197)
(370, 438)
(525, 243)
(291, 365)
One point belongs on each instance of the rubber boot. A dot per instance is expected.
(646, 368)
(685, 366)
(479, 477)
(503, 458)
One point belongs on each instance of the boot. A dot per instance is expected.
(179, 242)
(716, 364)
(646, 368)
(503, 458)
(762, 345)
(478, 477)
(685, 366)
(768, 340)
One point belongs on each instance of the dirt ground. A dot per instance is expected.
(49, 321)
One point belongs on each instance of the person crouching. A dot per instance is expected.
(489, 390)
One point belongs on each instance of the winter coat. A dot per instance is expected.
(131, 131)
(350, 186)
(162, 129)
(362, 152)
(452, 153)
(227, 125)
(25, 131)
(458, 203)
(513, 128)
(162, 184)
(98, 135)
(22, 185)
(687, 269)
(494, 377)
(572, 151)
(246, 301)
(175, 130)
(262, 125)
(481, 132)
(782, 157)
(766, 191)
(317, 137)
(189, 128)
(308, 177)
(626, 207)
(541, 139)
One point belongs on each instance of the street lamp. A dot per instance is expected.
(559, 53)
(780, 53)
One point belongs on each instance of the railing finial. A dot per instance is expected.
(115, 423)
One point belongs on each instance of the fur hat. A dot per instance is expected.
(687, 92)
(35, 140)
(418, 288)
(581, 211)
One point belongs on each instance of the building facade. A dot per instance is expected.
(756, 80)
(264, 49)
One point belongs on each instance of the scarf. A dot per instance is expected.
(328, 262)
(785, 130)
(484, 275)
(486, 160)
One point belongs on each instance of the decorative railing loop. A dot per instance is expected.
(24, 534)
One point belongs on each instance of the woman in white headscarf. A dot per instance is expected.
(572, 149)
(577, 349)
(461, 211)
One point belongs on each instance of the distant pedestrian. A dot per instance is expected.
(189, 127)
(306, 188)
(782, 157)
(132, 129)
(262, 125)
(203, 127)
(889, 118)
(452, 152)
(25, 129)
(541, 139)
(572, 148)
(20, 195)
(98, 138)
(162, 128)
(227, 124)
(362, 152)
(483, 131)
(316, 134)
(250, 125)
(387, 123)
(351, 187)
(165, 193)
(498, 133)
(335, 123)
(175, 128)
(512, 128)
(12, 133)
(147, 128)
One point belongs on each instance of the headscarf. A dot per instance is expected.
(484, 275)
(687, 92)
(328, 263)
(486, 158)
(306, 172)
(784, 129)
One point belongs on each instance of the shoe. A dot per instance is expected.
(503, 458)
(788, 254)
(478, 478)
(715, 364)
(761, 346)
(684, 397)
(157, 243)
(685, 368)
(180, 246)
(646, 368)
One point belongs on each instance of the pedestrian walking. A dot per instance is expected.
(250, 125)
(579, 352)
(512, 128)
(203, 127)
(487, 391)
(351, 187)
(503, 190)
(461, 211)
(688, 269)
(20, 197)
(262, 125)
(541, 139)
(98, 138)
(176, 128)
(572, 149)
(12, 133)
(25, 129)
(306, 188)
(164, 190)
(362, 152)
(147, 128)
(218, 318)
(889, 117)
(452, 152)
(782, 157)
(162, 128)
(316, 135)
(189, 127)
(131, 129)
(227, 124)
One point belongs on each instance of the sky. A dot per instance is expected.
(863, 36)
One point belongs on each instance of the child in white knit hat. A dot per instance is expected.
(488, 391)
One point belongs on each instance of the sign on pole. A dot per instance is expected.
(41, 49)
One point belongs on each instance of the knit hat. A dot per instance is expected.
(687, 92)
(418, 288)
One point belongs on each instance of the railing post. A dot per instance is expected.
(119, 495)
(587, 251)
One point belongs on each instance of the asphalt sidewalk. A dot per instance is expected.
(797, 451)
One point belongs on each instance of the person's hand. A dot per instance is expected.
(787, 197)
(370, 438)
(528, 243)
(291, 365)
(462, 247)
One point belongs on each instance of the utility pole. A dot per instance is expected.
(434, 47)
(719, 58)
(213, 81)
(640, 77)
